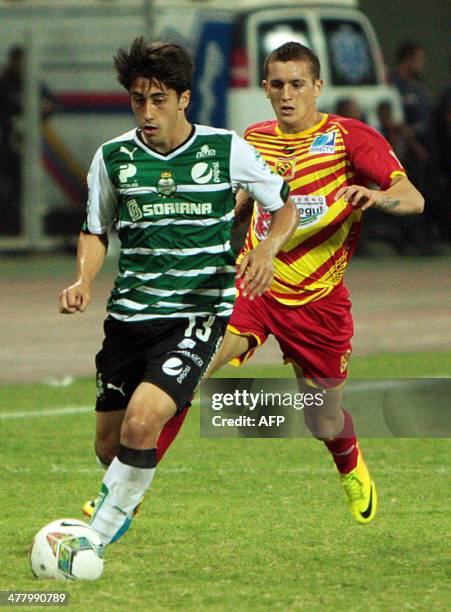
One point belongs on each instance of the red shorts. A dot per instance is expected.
(315, 337)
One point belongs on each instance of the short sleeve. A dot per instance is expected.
(102, 197)
(371, 156)
(249, 171)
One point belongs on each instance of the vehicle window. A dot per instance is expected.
(272, 34)
(350, 58)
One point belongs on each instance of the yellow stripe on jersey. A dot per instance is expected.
(302, 234)
(333, 185)
(316, 175)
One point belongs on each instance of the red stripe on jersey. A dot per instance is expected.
(294, 254)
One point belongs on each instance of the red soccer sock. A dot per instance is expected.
(344, 446)
(170, 431)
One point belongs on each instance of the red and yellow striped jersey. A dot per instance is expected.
(316, 163)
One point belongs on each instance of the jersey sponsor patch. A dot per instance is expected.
(203, 173)
(325, 143)
(126, 172)
(311, 209)
(205, 151)
(177, 208)
(172, 366)
(134, 210)
(186, 343)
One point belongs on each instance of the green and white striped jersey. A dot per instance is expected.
(174, 216)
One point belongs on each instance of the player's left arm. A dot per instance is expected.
(373, 160)
(401, 198)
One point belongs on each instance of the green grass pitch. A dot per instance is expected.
(234, 524)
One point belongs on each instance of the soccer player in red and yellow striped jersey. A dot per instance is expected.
(318, 162)
(333, 165)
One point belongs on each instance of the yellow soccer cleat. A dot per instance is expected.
(90, 506)
(361, 492)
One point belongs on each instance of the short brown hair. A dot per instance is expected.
(166, 63)
(292, 51)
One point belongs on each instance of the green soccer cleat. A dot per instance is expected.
(361, 492)
(90, 506)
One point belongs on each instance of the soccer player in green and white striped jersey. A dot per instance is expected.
(170, 188)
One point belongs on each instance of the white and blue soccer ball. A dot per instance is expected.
(67, 549)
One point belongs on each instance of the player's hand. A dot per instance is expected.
(256, 271)
(74, 298)
(358, 196)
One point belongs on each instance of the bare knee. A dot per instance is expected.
(140, 430)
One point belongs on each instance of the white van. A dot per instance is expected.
(76, 39)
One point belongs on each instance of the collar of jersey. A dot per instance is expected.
(305, 132)
(172, 153)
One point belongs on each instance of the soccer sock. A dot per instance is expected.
(124, 484)
(169, 432)
(344, 446)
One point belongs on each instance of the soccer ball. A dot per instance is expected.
(67, 549)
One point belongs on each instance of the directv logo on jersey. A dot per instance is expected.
(205, 151)
(325, 143)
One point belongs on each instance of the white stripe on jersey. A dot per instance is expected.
(171, 221)
(130, 304)
(169, 292)
(219, 248)
(152, 275)
(180, 189)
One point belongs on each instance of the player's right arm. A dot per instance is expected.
(91, 251)
(93, 239)
(251, 174)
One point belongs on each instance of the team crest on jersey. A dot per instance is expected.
(286, 167)
(166, 185)
(324, 143)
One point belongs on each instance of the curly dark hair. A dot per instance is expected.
(166, 63)
(293, 51)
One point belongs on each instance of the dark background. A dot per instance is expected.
(425, 21)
